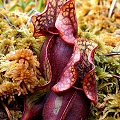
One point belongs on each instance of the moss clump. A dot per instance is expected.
(19, 60)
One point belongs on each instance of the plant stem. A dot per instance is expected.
(112, 8)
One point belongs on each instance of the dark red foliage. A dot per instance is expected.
(31, 113)
(69, 74)
(69, 105)
(34, 103)
(57, 51)
(67, 63)
(45, 22)
(86, 68)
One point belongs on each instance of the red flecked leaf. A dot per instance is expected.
(68, 105)
(89, 84)
(70, 74)
(66, 22)
(45, 22)
(58, 53)
(86, 68)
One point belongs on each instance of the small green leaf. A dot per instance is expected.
(14, 7)
(30, 2)
(1, 3)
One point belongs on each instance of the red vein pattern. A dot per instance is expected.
(45, 22)
(89, 84)
(86, 68)
(70, 74)
(66, 22)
